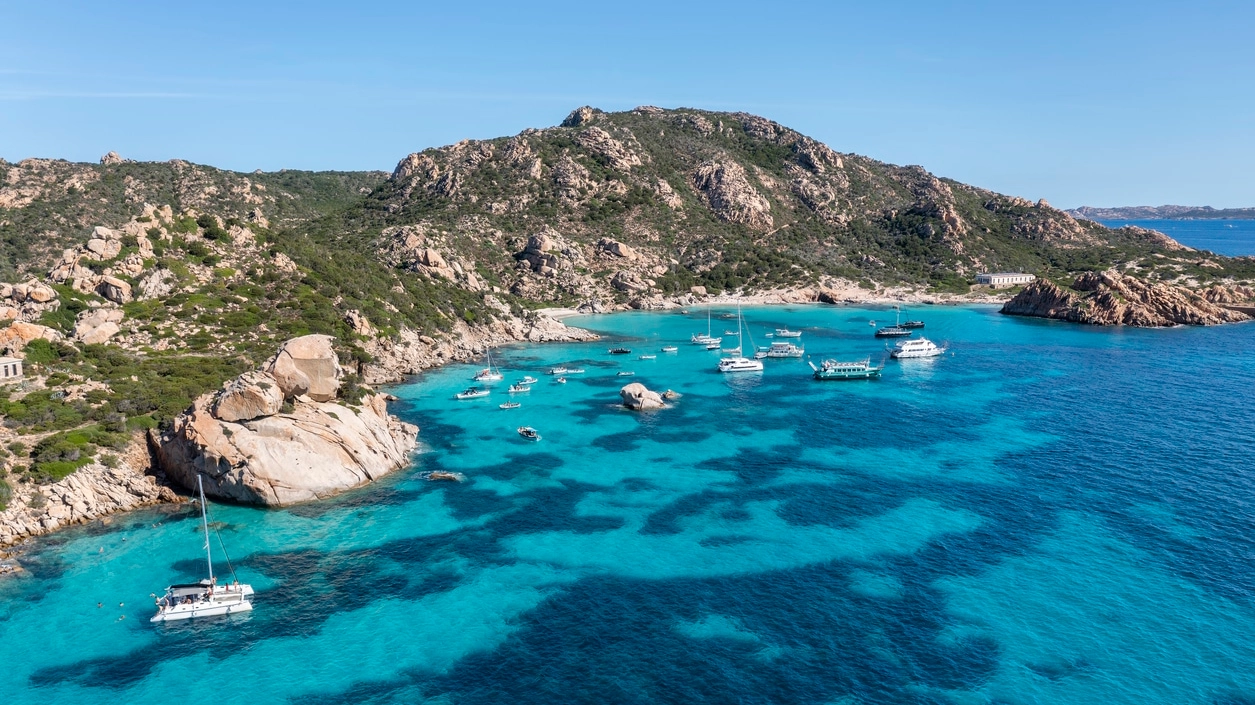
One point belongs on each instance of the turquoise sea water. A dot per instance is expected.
(1051, 514)
(1224, 237)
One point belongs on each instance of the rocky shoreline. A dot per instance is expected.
(1110, 298)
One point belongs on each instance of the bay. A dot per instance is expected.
(1049, 513)
(1234, 238)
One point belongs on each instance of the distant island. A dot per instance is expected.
(1162, 213)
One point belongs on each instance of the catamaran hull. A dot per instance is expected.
(181, 612)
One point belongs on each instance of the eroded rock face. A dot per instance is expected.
(18, 333)
(97, 325)
(307, 365)
(616, 248)
(248, 449)
(1110, 298)
(114, 289)
(581, 116)
(638, 397)
(249, 396)
(726, 190)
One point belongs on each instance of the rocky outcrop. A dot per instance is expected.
(97, 325)
(249, 449)
(1110, 298)
(725, 189)
(581, 116)
(16, 335)
(90, 493)
(639, 398)
(617, 249)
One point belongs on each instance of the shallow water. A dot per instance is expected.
(1051, 514)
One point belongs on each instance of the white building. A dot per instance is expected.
(997, 279)
(10, 369)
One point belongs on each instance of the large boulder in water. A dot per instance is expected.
(638, 397)
(307, 365)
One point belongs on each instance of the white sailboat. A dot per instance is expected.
(206, 598)
(738, 362)
(708, 339)
(489, 373)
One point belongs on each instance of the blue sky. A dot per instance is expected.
(1078, 103)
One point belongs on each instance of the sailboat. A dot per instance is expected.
(206, 598)
(708, 339)
(489, 373)
(895, 330)
(738, 362)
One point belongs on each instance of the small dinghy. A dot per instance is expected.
(471, 393)
(670, 349)
(647, 357)
(620, 351)
(528, 380)
(561, 380)
(509, 405)
(529, 433)
(626, 373)
(519, 388)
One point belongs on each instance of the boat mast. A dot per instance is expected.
(739, 346)
(204, 520)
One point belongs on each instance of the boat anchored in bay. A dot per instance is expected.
(921, 347)
(837, 370)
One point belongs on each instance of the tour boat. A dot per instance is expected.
(780, 349)
(738, 362)
(471, 393)
(836, 370)
(786, 333)
(206, 598)
(620, 351)
(489, 373)
(670, 348)
(708, 339)
(529, 433)
(921, 347)
(509, 405)
(519, 388)
(528, 379)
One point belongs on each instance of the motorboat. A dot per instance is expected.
(519, 388)
(509, 405)
(471, 393)
(732, 332)
(528, 379)
(670, 349)
(575, 371)
(781, 349)
(205, 598)
(920, 347)
(648, 357)
(733, 351)
(726, 316)
(529, 433)
(911, 324)
(489, 373)
(626, 373)
(738, 362)
(714, 346)
(620, 351)
(786, 333)
(558, 371)
(837, 370)
(561, 380)
(707, 339)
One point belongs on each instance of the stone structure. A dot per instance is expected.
(999, 279)
(10, 370)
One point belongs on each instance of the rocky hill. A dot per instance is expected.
(135, 288)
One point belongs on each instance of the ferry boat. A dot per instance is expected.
(519, 388)
(738, 362)
(489, 373)
(620, 351)
(786, 333)
(529, 433)
(471, 393)
(920, 347)
(670, 349)
(206, 598)
(509, 405)
(780, 349)
(837, 370)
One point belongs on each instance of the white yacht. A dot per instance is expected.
(738, 362)
(528, 379)
(206, 598)
(920, 347)
(471, 393)
(708, 339)
(780, 349)
(786, 333)
(489, 373)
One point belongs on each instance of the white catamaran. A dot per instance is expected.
(206, 598)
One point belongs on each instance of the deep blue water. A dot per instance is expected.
(1224, 237)
(1051, 514)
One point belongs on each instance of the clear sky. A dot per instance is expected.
(1080, 103)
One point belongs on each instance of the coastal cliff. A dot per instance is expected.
(279, 436)
(1110, 298)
